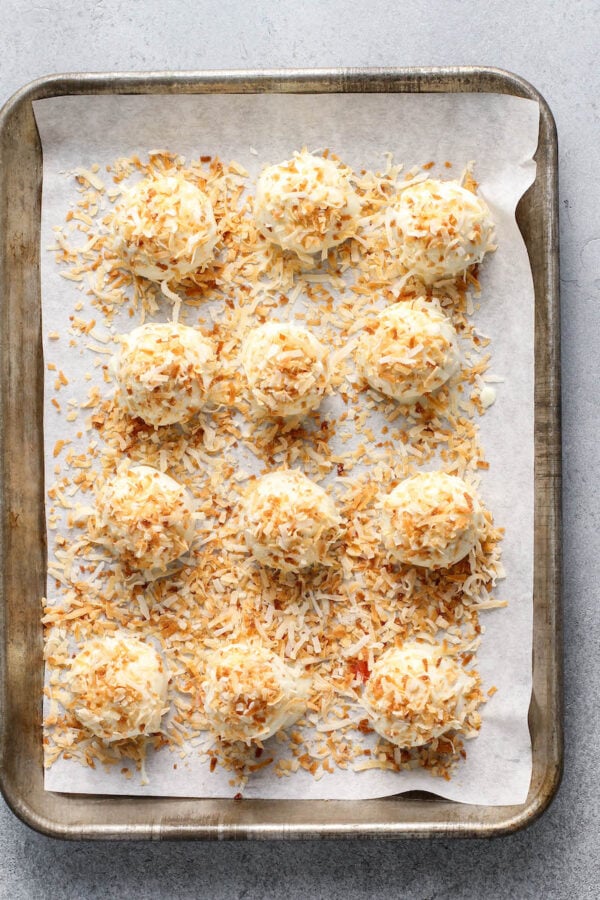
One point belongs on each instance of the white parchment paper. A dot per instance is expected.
(500, 134)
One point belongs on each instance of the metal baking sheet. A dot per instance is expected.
(23, 575)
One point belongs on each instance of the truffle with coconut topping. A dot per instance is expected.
(164, 229)
(416, 693)
(306, 205)
(164, 372)
(410, 351)
(250, 693)
(286, 367)
(439, 229)
(145, 518)
(432, 520)
(118, 687)
(290, 523)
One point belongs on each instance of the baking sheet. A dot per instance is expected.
(500, 133)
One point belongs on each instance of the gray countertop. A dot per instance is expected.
(554, 45)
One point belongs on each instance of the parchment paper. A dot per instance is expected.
(500, 134)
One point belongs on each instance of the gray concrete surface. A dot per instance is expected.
(554, 45)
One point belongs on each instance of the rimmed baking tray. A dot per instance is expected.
(23, 542)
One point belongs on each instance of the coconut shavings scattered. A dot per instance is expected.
(339, 603)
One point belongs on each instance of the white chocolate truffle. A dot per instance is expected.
(415, 693)
(411, 351)
(431, 520)
(286, 367)
(439, 229)
(290, 523)
(250, 693)
(164, 229)
(164, 372)
(119, 688)
(146, 518)
(306, 204)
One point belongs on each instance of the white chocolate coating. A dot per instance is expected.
(119, 688)
(164, 372)
(431, 520)
(290, 523)
(286, 367)
(411, 351)
(439, 229)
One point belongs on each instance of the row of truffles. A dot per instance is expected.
(431, 520)
(119, 685)
(164, 228)
(289, 523)
(164, 371)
